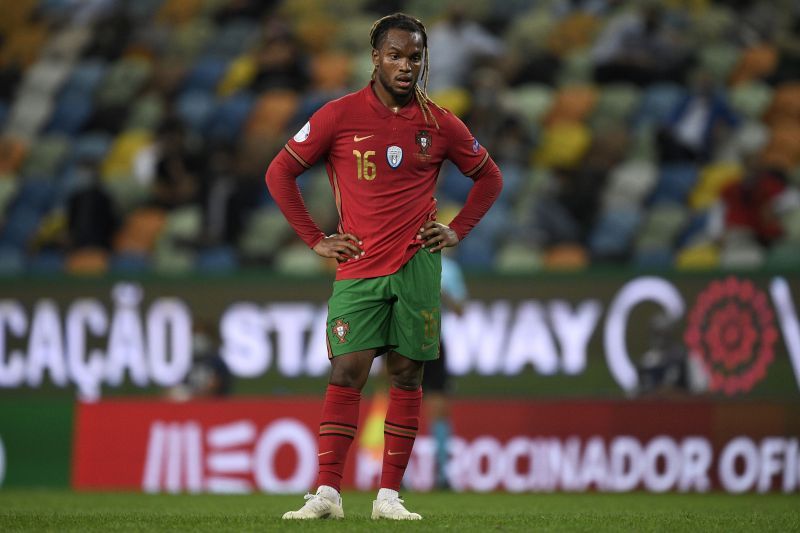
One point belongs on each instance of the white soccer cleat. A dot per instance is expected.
(392, 509)
(317, 507)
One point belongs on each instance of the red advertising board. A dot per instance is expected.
(269, 445)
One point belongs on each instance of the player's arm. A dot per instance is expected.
(474, 162)
(305, 148)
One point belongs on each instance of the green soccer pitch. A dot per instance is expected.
(33, 510)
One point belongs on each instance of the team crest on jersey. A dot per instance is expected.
(341, 329)
(303, 134)
(394, 156)
(475, 146)
(423, 139)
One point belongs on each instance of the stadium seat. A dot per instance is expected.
(662, 225)
(755, 63)
(718, 60)
(147, 113)
(45, 157)
(71, 112)
(195, 109)
(8, 190)
(701, 256)
(189, 40)
(616, 102)
(47, 263)
(85, 77)
(294, 259)
(783, 256)
(179, 12)
(740, 251)
(658, 258)
(751, 99)
(217, 260)
(785, 105)
(265, 230)
(12, 260)
(87, 262)
(12, 154)
(271, 113)
(20, 226)
(629, 183)
(612, 235)
(140, 231)
(565, 257)
(571, 104)
(675, 182)
(130, 263)
(563, 145)
(658, 102)
(123, 81)
(239, 75)
(229, 116)
(204, 76)
(233, 39)
(713, 178)
(331, 71)
(517, 258)
(119, 161)
(531, 101)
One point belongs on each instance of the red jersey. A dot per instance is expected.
(383, 168)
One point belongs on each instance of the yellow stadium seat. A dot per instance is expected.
(240, 73)
(563, 145)
(704, 256)
(712, 180)
(119, 161)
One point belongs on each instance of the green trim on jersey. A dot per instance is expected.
(399, 312)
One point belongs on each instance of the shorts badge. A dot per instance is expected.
(394, 156)
(340, 329)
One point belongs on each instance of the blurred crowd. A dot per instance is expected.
(134, 134)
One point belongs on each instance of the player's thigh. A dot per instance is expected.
(359, 316)
(416, 314)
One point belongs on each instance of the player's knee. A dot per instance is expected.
(407, 378)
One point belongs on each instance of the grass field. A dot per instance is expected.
(66, 511)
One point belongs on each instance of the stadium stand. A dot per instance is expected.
(625, 129)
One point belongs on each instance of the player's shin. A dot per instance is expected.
(336, 432)
(400, 430)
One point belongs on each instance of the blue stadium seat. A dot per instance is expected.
(72, 110)
(217, 259)
(86, 76)
(654, 259)
(130, 263)
(12, 261)
(611, 237)
(657, 103)
(48, 262)
(229, 117)
(675, 182)
(20, 225)
(195, 109)
(91, 147)
(233, 38)
(205, 74)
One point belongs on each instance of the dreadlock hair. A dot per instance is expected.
(401, 21)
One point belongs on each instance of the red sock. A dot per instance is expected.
(399, 432)
(336, 432)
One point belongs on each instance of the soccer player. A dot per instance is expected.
(383, 147)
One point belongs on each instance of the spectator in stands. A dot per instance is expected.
(209, 376)
(754, 202)
(92, 219)
(639, 47)
(281, 61)
(178, 167)
(456, 45)
(698, 124)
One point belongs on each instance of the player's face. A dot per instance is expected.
(398, 63)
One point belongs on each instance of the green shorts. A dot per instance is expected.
(397, 312)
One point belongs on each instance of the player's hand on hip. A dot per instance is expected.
(435, 236)
(340, 246)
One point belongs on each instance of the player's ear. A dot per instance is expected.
(375, 58)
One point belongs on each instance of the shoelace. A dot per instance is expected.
(315, 501)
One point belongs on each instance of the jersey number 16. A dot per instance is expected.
(366, 168)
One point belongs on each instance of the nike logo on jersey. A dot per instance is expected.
(358, 139)
(390, 452)
(324, 453)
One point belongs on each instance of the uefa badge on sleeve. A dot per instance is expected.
(394, 156)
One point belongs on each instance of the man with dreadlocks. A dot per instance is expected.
(383, 147)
